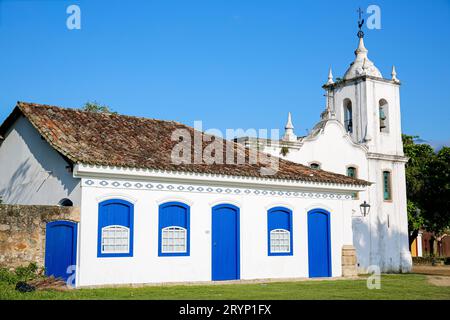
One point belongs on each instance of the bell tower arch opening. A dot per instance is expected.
(383, 112)
(348, 115)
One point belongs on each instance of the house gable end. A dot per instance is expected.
(32, 172)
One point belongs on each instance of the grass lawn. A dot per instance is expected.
(400, 286)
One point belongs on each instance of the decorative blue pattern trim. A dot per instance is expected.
(118, 184)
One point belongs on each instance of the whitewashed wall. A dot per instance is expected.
(31, 171)
(146, 267)
(381, 239)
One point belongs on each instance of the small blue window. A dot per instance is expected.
(279, 227)
(173, 232)
(115, 229)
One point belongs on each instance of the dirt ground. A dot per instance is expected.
(432, 270)
(437, 275)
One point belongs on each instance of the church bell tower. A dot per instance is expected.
(368, 106)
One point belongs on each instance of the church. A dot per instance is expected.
(334, 206)
(360, 135)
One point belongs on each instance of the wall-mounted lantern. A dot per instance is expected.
(365, 208)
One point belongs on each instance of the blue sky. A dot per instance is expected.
(229, 63)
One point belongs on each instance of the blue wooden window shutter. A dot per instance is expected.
(174, 227)
(115, 220)
(279, 219)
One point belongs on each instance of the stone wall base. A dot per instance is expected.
(22, 232)
(349, 266)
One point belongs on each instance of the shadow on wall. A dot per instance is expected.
(380, 246)
(42, 169)
(15, 190)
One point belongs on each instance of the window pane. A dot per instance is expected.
(387, 185)
(174, 240)
(280, 241)
(115, 239)
(314, 166)
(351, 172)
(348, 121)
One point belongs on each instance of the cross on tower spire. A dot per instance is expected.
(360, 23)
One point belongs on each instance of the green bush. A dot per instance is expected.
(27, 273)
(30, 272)
(429, 260)
(7, 276)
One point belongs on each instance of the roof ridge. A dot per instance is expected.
(72, 109)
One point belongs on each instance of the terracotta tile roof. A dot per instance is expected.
(126, 141)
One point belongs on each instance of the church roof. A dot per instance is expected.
(124, 141)
(362, 66)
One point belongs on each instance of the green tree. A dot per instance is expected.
(96, 107)
(427, 186)
(437, 192)
(420, 156)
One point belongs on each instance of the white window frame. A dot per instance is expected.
(164, 239)
(115, 228)
(283, 232)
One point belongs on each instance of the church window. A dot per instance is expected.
(314, 165)
(383, 109)
(387, 192)
(352, 172)
(348, 116)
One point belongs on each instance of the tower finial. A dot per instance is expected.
(330, 77)
(361, 66)
(394, 75)
(289, 124)
(289, 134)
(360, 23)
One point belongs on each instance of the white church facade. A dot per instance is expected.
(146, 219)
(360, 135)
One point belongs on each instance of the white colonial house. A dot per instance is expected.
(146, 218)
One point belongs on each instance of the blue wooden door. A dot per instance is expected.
(60, 248)
(225, 243)
(319, 246)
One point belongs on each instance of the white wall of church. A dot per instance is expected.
(387, 228)
(381, 238)
(333, 150)
(145, 266)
